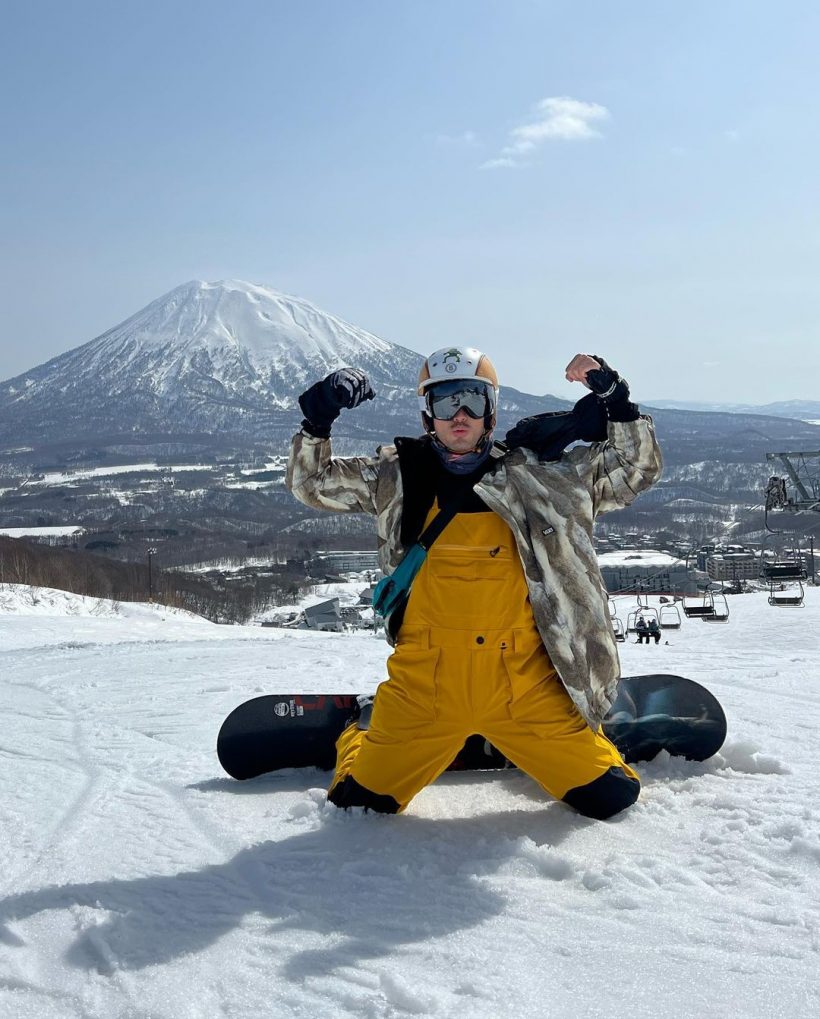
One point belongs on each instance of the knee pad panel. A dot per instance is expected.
(348, 793)
(604, 796)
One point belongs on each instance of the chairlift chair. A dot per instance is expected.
(720, 608)
(784, 569)
(650, 613)
(789, 596)
(618, 629)
(698, 606)
(670, 617)
(647, 611)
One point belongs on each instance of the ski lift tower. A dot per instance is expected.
(793, 495)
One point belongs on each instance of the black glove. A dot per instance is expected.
(612, 391)
(324, 401)
(590, 417)
(548, 435)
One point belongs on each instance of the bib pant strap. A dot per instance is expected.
(470, 660)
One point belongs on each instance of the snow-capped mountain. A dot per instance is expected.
(206, 357)
(211, 373)
(239, 336)
(227, 358)
(220, 366)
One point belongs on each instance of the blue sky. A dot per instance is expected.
(637, 179)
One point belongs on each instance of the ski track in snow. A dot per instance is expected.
(138, 881)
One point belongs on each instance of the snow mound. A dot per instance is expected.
(25, 600)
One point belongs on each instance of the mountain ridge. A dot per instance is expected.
(229, 357)
(226, 361)
(210, 374)
(799, 410)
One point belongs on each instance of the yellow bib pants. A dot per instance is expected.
(470, 660)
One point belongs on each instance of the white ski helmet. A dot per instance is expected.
(457, 363)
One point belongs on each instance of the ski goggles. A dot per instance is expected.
(445, 399)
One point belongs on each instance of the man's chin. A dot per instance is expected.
(461, 442)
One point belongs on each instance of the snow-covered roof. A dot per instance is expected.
(637, 557)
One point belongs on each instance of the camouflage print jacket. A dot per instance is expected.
(550, 508)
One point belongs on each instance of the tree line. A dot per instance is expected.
(222, 600)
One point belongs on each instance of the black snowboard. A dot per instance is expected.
(650, 713)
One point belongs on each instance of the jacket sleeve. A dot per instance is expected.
(619, 469)
(322, 481)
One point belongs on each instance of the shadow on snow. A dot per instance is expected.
(375, 882)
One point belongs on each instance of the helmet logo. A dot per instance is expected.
(451, 359)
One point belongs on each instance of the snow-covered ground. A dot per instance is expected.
(41, 532)
(84, 473)
(138, 882)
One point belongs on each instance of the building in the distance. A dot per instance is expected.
(703, 554)
(643, 570)
(733, 565)
(324, 615)
(343, 562)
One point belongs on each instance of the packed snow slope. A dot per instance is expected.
(140, 882)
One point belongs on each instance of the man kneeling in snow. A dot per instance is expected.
(506, 629)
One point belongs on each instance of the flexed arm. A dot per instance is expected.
(630, 460)
(549, 434)
(325, 400)
(612, 391)
(317, 478)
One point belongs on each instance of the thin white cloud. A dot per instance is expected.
(465, 138)
(556, 118)
(501, 161)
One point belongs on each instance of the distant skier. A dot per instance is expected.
(506, 631)
(642, 630)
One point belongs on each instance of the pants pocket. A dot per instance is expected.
(536, 692)
(408, 697)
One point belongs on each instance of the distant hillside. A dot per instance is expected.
(804, 410)
(200, 386)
